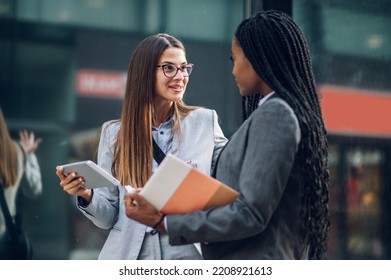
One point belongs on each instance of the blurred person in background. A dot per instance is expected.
(17, 158)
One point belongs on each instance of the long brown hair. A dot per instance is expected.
(8, 155)
(133, 152)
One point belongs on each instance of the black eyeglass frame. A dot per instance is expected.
(185, 73)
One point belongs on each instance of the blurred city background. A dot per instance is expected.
(63, 68)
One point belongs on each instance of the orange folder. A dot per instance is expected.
(177, 188)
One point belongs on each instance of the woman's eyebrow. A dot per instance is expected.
(169, 62)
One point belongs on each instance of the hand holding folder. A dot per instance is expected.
(177, 188)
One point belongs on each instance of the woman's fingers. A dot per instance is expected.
(72, 184)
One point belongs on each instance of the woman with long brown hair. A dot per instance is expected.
(153, 109)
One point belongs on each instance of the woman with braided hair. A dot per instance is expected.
(277, 159)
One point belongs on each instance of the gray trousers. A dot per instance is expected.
(157, 247)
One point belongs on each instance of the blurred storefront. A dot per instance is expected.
(350, 43)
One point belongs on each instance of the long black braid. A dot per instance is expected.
(249, 104)
(278, 52)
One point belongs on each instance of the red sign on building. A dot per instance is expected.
(353, 111)
(95, 83)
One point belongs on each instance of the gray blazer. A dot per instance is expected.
(263, 223)
(201, 142)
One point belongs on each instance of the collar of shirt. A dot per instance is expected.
(263, 99)
(166, 124)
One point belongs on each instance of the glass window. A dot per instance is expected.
(5, 8)
(92, 13)
(364, 187)
(350, 41)
(187, 19)
(198, 24)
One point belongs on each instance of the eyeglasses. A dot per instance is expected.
(170, 70)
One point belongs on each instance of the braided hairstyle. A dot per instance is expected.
(249, 104)
(278, 52)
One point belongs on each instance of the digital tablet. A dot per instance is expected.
(94, 175)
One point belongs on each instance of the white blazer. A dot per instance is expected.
(201, 142)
